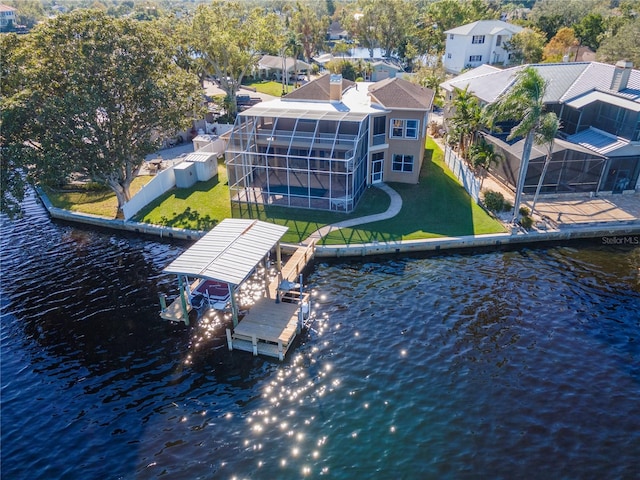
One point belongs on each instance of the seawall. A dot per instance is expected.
(624, 232)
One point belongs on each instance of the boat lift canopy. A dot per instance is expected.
(229, 252)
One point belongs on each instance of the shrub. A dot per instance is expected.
(526, 221)
(507, 206)
(524, 211)
(494, 201)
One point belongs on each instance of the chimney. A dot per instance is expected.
(621, 75)
(335, 88)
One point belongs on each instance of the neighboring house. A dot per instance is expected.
(7, 17)
(336, 32)
(598, 145)
(477, 43)
(381, 70)
(271, 67)
(320, 146)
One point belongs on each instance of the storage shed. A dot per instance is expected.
(185, 174)
(206, 164)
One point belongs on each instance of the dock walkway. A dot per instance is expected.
(274, 321)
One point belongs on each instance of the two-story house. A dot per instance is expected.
(320, 146)
(7, 17)
(478, 43)
(597, 149)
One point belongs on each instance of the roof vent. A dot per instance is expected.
(621, 75)
(335, 88)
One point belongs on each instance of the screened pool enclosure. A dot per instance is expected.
(298, 157)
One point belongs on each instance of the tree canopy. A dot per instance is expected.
(231, 39)
(88, 94)
(623, 45)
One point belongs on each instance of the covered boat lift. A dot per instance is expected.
(228, 254)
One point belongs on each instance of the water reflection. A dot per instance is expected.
(491, 365)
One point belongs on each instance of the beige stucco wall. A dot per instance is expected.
(405, 147)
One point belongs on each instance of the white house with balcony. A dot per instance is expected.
(477, 43)
(7, 17)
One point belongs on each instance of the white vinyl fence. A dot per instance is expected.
(163, 181)
(463, 173)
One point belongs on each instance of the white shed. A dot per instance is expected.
(185, 174)
(206, 164)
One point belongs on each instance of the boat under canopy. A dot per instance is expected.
(227, 255)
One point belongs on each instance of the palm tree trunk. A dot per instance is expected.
(542, 175)
(524, 166)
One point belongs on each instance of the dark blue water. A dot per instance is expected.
(506, 365)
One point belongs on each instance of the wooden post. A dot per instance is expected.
(278, 257)
(229, 339)
(183, 300)
(280, 351)
(254, 342)
(234, 308)
(266, 277)
(163, 302)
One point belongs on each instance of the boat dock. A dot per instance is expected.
(273, 322)
(226, 257)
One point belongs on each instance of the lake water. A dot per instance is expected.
(518, 364)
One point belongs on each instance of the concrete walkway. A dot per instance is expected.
(394, 208)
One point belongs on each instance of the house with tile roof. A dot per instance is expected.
(322, 145)
(598, 145)
(478, 43)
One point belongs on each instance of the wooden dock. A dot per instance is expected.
(271, 325)
(268, 329)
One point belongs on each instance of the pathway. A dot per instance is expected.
(394, 208)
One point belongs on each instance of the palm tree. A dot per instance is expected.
(467, 119)
(546, 134)
(524, 100)
(483, 156)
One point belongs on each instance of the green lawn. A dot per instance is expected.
(437, 206)
(200, 207)
(269, 87)
(91, 198)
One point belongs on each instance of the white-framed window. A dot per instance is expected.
(475, 58)
(451, 36)
(404, 128)
(477, 39)
(498, 40)
(448, 55)
(402, 163)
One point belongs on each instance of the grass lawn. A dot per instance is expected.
(437, 206)
(91, 199)
(200, 207)
(269, 87)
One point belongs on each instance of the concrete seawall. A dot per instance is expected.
(627, 232)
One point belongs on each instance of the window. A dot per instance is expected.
(379, 130)
(448, 55)
(475, 58)
(498, 40)
(450, 36)
(404, 128)
(402, 163)
(477, 39)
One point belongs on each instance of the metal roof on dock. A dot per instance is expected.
(229, 252)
